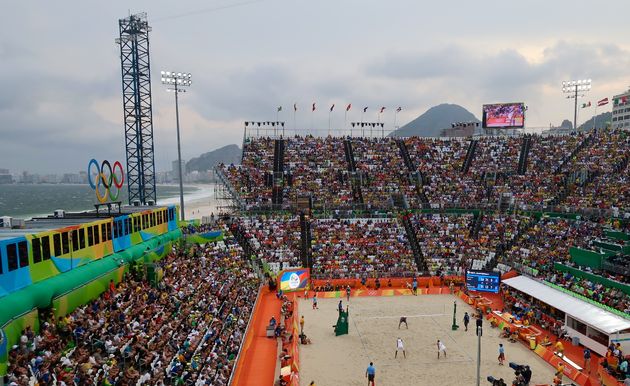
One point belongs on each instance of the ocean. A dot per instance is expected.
(26, 201)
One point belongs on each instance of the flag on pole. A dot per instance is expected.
(295, 107)
(279, 108)
(382, 109)
(399, 109)
(332, 107)
(313, 106)
(365, 109)
(585, 105)
(602, 102)
(621, 100)
(349, 107)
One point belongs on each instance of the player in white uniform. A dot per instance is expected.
(441, 348)
(400, 347)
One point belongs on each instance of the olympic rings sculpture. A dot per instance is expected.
(109, 180)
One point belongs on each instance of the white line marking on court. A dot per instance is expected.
(407, 316)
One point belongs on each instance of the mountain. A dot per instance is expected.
(230, 154)
(601, 120)
(434, 120)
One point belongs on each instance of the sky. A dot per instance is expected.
(61, 98)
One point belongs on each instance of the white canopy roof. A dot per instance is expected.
(578, 309)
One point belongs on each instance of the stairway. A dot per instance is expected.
(347, 149)
(355, 178)
(404, 153)
(522, 159)
(470, 155)
(278, 174)
(416, 177)
(418, 256)
(588, 140)
(306, 254)
(475, 225)
(504, 246)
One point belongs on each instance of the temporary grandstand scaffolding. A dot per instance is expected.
(226, 195)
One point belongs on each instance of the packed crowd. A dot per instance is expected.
(186, 329)
(275, 239)
(541, 183)
(360, 248)
(318, 166)
(382, 172)
(593, 166)
(451, 243)
(548, 242)
(605, 165)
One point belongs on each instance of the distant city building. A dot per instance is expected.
(71, 178)
(83, 177)
(175, 169)
(5, 177)
(621, 111)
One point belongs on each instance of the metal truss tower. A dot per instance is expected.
(137, 108)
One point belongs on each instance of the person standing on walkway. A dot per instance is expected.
(302, 324)
(560, 371)
(370, 373)
(587, 360)
(466, 320)
(501, 354)
(315, 301)
(348, 292)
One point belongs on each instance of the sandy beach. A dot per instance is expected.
(332, 361)
(198, 203)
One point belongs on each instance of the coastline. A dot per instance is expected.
(199, 202)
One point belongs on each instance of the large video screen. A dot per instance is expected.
(294, 279)
(483, 281)
(503, 115)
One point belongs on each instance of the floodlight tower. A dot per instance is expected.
(177, 80)
(137, 107)
(573, 87)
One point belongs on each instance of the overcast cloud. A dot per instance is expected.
(61, 104)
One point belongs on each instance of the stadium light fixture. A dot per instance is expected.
(573, 88)
(178, 80)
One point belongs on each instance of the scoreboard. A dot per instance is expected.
(483, 281)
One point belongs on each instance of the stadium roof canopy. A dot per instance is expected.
(590, 314)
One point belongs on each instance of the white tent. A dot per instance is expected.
(589, 314)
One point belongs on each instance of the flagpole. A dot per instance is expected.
(275, 133)
(362, 129)
(595, 117)
(294, 119)
(345, 121)
(329, 114)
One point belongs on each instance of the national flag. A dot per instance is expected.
(295, 107)
(399, 109)
(365, 109)
(602, 102)
(382, 109)
(313, 106)
(621, 100)
(349, 107)
(585, 105)
(332, 107)
(279, 108)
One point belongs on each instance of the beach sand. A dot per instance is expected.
(373, 330)
(201, 202)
